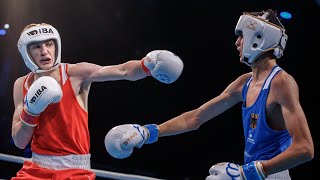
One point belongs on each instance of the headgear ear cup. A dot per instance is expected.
(278, 51)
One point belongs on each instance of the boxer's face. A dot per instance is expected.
(239, 45)
(43, 53)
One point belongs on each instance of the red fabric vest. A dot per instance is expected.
(63, 127)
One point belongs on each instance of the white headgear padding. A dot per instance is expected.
(260, 36)
(36, 34)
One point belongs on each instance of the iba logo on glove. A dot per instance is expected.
(38, 94)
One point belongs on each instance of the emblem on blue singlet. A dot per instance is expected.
(253, 120)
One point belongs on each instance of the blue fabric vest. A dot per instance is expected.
(261, 142)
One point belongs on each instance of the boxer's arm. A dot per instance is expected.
(163, 65)
(193, 119)
(301, 150)
(43, 91)
(21, 133)
(88, 72)
(121, 140)
(183, 123)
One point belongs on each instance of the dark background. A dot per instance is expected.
(201, 32)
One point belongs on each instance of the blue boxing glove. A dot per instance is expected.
(121, 140)
(232, 171)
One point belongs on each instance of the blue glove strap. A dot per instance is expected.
(153, 133)
(250, 171)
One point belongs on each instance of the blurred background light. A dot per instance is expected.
(3, 32)
(6, 26)
(285, 15)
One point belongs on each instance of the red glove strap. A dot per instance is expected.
(145, 69)
(29, 119)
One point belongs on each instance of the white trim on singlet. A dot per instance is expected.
(26, 81)
(64, 73)
(64, 76)
(266, 85)
(249, 81)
